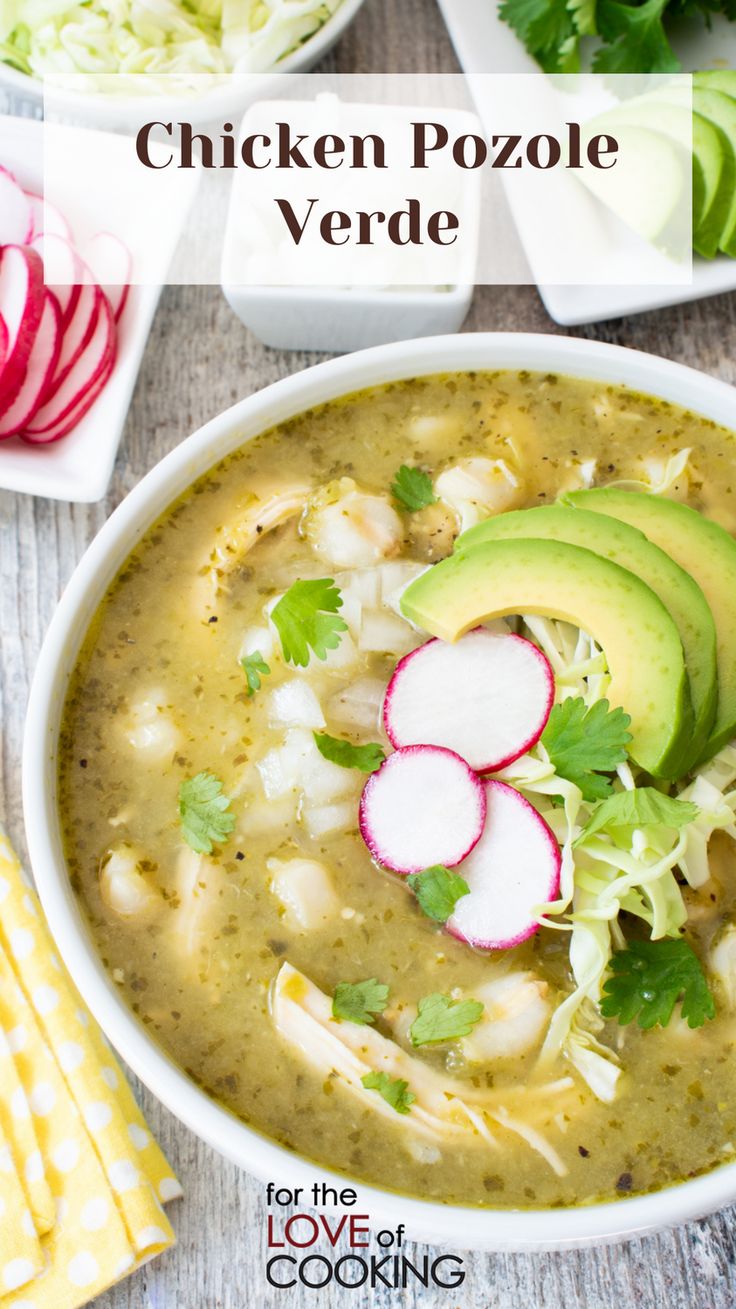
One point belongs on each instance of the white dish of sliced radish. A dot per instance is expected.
(69, 354)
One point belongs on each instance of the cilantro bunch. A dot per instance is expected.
(633, 37)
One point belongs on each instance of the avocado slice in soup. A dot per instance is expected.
(708, 553)
(625, 545)
(557, 580)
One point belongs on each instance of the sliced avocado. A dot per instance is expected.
(674, 121)
(713, 158)
(717, 79)
(557, 580)
(708, 554)
(616, 540)
(721, 110)
(718, 160)
(660, 214)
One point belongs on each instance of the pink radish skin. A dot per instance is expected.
(423, 806)
(64, 271)
(93, 362)
(21, 305)
(111, 263)
(78, 331)
(487, 697)
(514, 868)
(39, 369)
(70, 421)
(16, 216)
(46, 218)
(3, 341)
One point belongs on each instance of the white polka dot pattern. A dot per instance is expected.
(78, 1168)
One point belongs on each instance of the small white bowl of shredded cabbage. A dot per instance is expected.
(178, 45)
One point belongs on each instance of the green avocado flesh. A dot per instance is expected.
(624, 545)
(708, 554)
(557, 580)
(720, 109)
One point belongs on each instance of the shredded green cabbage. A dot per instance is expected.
(614, 870)
(155, 36)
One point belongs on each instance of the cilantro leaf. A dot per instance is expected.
(438, 891)
(365, 757)
(643, 807)
(413, 489)
(396, 1093)
(203, 812)
(548, 29)
(637, 41)
(582, 743)
(306, 619)
(440, 1018)
(255, 667)
(649, 977)
(358, 1002)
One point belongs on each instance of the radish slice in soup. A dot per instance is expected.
(514, 867)
(487, 697)
(423, 806)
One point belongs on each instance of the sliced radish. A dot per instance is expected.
(78, 330)
(514, 868)
(93, 362)
(21, 305)
(65, 425)
(16, 218)
(46, 218)
(64, 272)
(39, 369)
(111, 263)
(423, 806)
(487, 697)
(3, 341)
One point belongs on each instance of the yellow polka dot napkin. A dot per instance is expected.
(81, 1178)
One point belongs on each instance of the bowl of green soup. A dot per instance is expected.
(380, 785)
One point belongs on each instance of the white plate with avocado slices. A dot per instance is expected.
(485, 44)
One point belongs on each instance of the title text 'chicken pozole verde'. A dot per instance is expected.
(398, 788)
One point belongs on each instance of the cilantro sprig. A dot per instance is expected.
(586, 743)
(395, 1092)
(440, 1018)
(359, 1002)
(306, 620)
(203, 813)
(366, 758)
(255, 668)
(413, 489)
(634, 36)
(438, 890)
(642, 807)
(649, 977)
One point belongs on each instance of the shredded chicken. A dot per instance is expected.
(257, 516)
(444, 1109)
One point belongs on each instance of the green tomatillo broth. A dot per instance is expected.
(195, 941)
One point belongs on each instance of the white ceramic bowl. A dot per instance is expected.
(117, 113)
(446, 1225)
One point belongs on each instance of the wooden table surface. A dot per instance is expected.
(199, 361)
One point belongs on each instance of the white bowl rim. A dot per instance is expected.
(449, 1226)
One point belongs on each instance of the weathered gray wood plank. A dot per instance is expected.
(199, 361)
